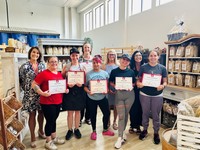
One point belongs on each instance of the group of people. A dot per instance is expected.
(136, 101)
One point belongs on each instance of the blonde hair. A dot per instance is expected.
(114, 52)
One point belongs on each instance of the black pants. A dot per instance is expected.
(136, 111)
(103, 105)
(85, 112)
(51, 113)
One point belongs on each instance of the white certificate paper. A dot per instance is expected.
(76, 77)
(123, 83)
(99, 86)
(57, 86)
(151, 80)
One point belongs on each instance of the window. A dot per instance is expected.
(99, 16)
(112, 11)
(138, 6)
(160, 2)
(88, 21)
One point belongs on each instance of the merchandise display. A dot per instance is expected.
(183, 73)
(11, 127)
(59, 48)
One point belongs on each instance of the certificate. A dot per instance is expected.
(76, 77)
(123, 83)
(57, 86)
(99, 86)
(152, 80)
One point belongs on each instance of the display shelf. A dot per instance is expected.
(11, 127)
(59, 48)
(191, 73)
(175, 93)
(10, 74)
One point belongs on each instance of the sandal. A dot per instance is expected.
(33, 144)
(131, 131)
(115, 127)
(41, 135)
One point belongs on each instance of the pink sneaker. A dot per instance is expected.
(93, 136)
(108, 133)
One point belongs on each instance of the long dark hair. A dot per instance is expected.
(40, 54)
(132, 63)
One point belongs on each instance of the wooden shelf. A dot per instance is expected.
(184, 39)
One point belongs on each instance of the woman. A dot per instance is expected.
(86, 61)
(123, 98)
(27, 72)
(97, 99)
(136, 110)
(111, 63)
(74, 101)
(50, 103)
(151, 98)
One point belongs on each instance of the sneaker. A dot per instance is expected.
(88, 122)
(57, 140)
(143, 135)
(124, 136)
(119, 143)
(69, 135)
(50, 146)
(156, 138)
(77, 133)
(93, 136)
(108, 133)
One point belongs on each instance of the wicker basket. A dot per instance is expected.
(188, 132)
(1, 147)
(10, 137)
(14, 103)
(166, 145)
(17, 126)
(8, 112)
(17, 144)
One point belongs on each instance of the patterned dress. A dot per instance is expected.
(27, 75)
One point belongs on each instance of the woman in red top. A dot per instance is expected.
(50, 103)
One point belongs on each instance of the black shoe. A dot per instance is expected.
(80, 124)
(143, 135)
(156, 138)
(77, 133)
(69, 135)
(138, 131)
(88, 122)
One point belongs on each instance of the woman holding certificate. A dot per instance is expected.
(111, 63)
(74, 101)
(27, 73)
(96, 88)
(123, 80)
(50, 102)
(152, 81)
(136, 109)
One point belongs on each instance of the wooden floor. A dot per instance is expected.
(102, 142)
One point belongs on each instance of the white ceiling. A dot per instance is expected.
(60, 3)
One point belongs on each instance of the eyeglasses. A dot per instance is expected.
(111, 54)
(53, 62)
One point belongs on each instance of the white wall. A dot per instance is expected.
(149, 28)
(44, 16)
